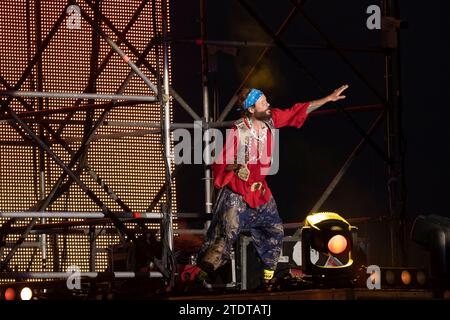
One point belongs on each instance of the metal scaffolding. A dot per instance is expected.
(390, 104)
(389, 107)
(21, 123)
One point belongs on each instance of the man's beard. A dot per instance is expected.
(264, 115)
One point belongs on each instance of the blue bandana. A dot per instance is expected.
(252, 97)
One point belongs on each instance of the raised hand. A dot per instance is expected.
(336, 95)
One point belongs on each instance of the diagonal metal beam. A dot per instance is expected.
(335, 48)
(116, 48)
(70, 175)
(163, 188)
(5, 106)
(281, 29)
(38, 54)
(14, 125)
(108, 57)
(59, 140)
(346, 165)
(178, 168)
(119, 224)
(57, 192)
(311, 76)
(134, 51)
(30, 66)
(56, 135)
(337, 178)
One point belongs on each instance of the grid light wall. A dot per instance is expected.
(132, 166)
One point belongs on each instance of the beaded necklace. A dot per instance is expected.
(253, 131)
(259, 140)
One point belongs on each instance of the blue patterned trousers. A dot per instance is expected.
(232, 216)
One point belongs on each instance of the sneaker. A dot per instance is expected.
(189, 273)
(194, 279)
(268, 274)
(268, 282)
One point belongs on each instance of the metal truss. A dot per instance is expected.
(389, 106)
(71, 171)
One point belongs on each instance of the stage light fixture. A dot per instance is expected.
(406, 277)
(26, 293)
(10, 294)
(398, 277)
(433, 233)
(421, 278)
(337, 244)
(327, 241)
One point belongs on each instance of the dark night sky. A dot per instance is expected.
(311, 156)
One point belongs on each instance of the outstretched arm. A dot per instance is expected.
(335, 96)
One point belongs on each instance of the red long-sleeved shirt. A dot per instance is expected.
(292, 117)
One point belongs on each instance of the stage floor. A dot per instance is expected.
(321, 294)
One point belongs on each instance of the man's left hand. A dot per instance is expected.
(336, 95)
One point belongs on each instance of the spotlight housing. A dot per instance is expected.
(26, 293)
(433, 233)
(327, 241)
(403, 278)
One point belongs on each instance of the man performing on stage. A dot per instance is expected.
(245, 201)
